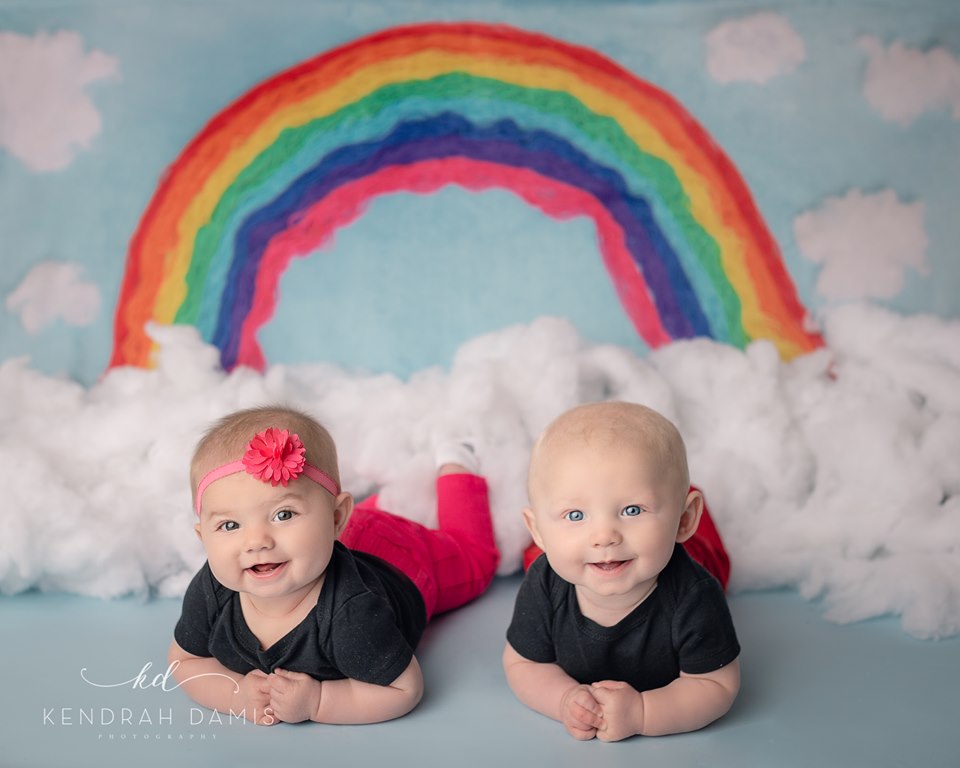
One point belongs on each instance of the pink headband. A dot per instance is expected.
(273, 456)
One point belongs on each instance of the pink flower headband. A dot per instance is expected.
(273, 456)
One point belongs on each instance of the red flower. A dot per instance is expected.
(275, 456)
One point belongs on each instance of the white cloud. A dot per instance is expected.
(52, 290)
(902, 83)
(45, 112)
(835, 473)
(753, 49)
(864, 242)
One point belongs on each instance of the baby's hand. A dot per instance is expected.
(580, 712)
(252, 700)
(621, 706)
(294, 696)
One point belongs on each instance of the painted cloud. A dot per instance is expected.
(902, 83)
(864, 242)
(52, 290)
(753, 49)
(47, 114)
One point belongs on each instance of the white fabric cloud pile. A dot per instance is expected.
(836, 474)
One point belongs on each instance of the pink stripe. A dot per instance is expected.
(215, 474)
(316, 226)
(322, 478)
(317, 475)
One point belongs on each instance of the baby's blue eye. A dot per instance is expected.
(631, 511)
(229, 525)
(283, 514)
(574, 515)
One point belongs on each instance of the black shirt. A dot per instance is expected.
(368, 620)
(684, 625)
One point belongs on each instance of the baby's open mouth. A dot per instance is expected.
(612, 565)
(262, 569)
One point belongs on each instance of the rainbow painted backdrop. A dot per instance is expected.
(415, 108)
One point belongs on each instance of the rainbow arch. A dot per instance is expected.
(414, 108)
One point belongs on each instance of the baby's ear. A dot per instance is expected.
(690, 518)
(196, 528)
(530, 520)
(343, 506)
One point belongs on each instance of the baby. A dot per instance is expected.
(616, 631)
(308, 607)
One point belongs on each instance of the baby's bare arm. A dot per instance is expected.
(351, 702)
(208, 682)
(549, 690)
(688, 703)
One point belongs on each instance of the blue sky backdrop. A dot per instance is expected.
(843, 118)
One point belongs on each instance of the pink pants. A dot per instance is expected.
(450, 565)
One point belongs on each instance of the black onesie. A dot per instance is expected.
(684, 625)
(367, 623)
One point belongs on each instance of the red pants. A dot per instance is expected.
(705, 546)
(451, 565)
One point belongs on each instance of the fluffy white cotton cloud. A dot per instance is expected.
(902, 83)
(753, 49)
(834, 473)
(864, 242)
(53, 290)
(47, 113)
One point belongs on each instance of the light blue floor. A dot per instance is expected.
(814, 694)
